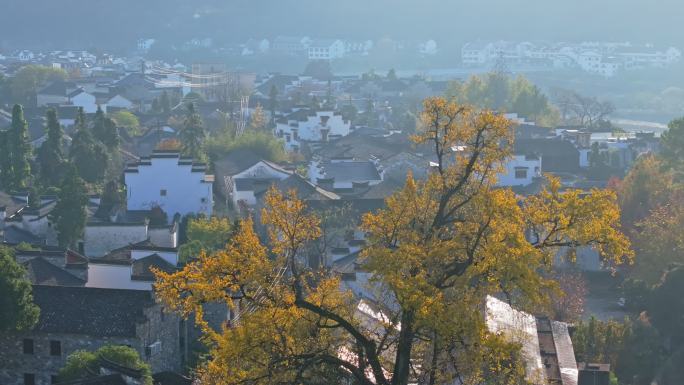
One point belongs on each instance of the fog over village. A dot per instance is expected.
(314, 192)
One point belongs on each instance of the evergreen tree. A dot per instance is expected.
(54, 132)
(105, 130)
(156, 108)
(88, 156)
(329, 102)
(315, 105)
(273, 103)
(165, 103)
(19, 149)
(192, 134)
(17, 310)
(50, 156)
(392, 74)
(98, 124)
(5, 160)
(69, 215)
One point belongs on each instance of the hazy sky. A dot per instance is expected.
(109, 21)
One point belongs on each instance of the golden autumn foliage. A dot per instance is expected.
(434, 253)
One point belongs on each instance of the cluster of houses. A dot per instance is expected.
(101, 292)
(602, 58)
(327, 49)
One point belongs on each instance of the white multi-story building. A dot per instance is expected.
(311, 126)
(326, 49)
(175, 184)
(521, 170)
(602, 58)
(144, 45)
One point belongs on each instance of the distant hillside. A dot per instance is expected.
(117, 23)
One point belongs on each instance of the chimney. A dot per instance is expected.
(326, 183)
(359, 187)
(593, 374)
(3, 216)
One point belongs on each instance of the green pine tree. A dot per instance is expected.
(88, 155)
(5, 160)
(20, 149)
(105, 130)
(50, 155)
(192, 134)
(329, 102)
(156, 108)
(69, 215)
(273, 103)
(165, 103)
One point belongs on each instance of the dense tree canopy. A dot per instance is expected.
(29, 79)
(17, 310)
(672, 146)
(69, 215)
(264, 144)
(81, 363)
(434, 253)
(502, 93)
(210, 235)
(127, 120)
(50, 154)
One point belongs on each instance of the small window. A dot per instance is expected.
(204, 200)
(28, 346)
(55, 348)
(29, 379)
(54, 379)
(162, 192)
(520, 173)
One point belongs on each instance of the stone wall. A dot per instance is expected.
(14, 363)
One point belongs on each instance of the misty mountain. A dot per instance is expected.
(116, 24)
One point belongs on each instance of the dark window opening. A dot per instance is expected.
(162, 193)
(55, 348)
(29, 379)
(28, 346)
(521, 173)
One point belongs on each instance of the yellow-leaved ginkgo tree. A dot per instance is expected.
(433, 254)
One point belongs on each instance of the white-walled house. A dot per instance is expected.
(81, 98)
(175, 184)
(100, 238)
(129, 267)
(521, 170)
(254, 179)
(311, 126)
(118, 101)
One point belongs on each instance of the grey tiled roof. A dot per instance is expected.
(13, 234)
(351, 171)
(90, 311)
(141, 267)
(42, 272)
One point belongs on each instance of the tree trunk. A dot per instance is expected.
(403, 358)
